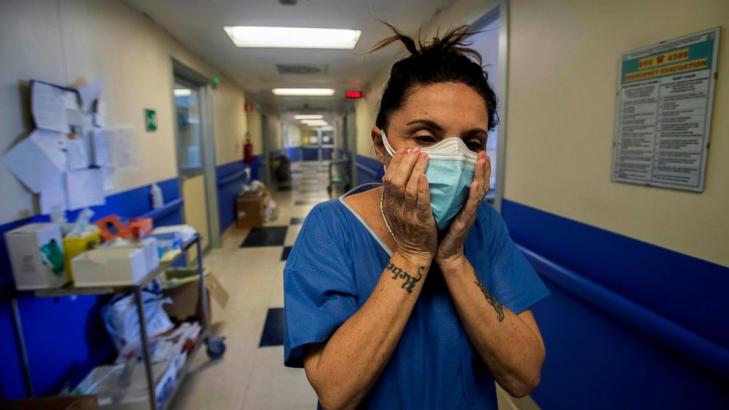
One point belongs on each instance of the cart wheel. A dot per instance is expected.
(215, 347)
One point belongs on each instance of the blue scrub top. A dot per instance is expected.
(334, 267)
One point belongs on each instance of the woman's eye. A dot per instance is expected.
(425, 139)
(475, 145)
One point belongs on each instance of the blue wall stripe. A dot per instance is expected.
(681, 288)
(626, 326)
(65, 336)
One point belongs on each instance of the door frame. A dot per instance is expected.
(499, 11)
(207, 146)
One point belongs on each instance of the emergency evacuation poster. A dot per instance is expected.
(665, 95)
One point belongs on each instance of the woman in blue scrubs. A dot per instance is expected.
(410, 294)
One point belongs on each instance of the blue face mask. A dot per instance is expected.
(450, 173)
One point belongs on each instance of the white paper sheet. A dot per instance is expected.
(53, 196)
(102, 155)
(108, 175)
(38, 160)
(90, 93)
(76, 156)
(100, 114)
(121, 146)
(48, 105)
(84, 188)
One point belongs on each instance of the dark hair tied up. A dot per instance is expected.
(444, 59)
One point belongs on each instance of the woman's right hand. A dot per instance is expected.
(406, 204)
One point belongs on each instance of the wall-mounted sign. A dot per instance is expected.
(353, 94)
(665, 95)
(150, 119)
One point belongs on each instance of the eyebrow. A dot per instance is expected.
(434, 125)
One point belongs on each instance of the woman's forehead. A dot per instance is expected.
(448, 104)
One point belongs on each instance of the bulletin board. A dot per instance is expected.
(664, 100)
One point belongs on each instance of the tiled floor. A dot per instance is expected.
(250, 266)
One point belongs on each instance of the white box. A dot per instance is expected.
(34, 256)
(109, 266)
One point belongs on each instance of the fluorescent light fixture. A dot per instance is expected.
(307, 92)
(315, 123)
(292, 37)
(182, 92)
(308, 117)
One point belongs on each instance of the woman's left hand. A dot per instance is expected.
(450, 248)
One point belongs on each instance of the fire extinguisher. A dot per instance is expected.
(248, 150)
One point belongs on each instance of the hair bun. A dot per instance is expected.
(453, 42)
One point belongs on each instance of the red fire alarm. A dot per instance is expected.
(353, 94)
(248, 107)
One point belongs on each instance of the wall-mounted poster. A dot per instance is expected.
(665, 95)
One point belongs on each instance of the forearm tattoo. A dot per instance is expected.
(410, 280)
(492, 301)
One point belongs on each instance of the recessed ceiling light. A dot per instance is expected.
(308, 117)
(292, 37)
(315, 123)
(182, 92)
(304, 91)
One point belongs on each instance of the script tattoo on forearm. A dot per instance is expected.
(492, 301)
(410, 280)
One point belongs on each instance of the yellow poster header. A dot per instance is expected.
(672, 69)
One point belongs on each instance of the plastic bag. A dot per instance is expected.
(122, 320)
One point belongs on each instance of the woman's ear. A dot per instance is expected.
(380, 151)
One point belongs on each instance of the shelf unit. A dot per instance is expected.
(136, 290)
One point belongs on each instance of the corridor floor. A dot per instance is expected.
(253, 377)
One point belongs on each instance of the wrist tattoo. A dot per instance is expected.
(410, 280)
(492, 301)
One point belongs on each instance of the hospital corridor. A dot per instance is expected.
(364, 204)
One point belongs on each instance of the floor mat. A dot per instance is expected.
(273, 329)
(266, 236)
(285, 253)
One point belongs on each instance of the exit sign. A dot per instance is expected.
(150, 119)
(353, 94)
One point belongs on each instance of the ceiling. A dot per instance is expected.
(199, 26)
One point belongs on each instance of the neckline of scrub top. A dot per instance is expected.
(359, 189)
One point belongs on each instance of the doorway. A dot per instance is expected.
(195, 154)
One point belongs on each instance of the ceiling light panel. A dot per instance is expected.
(305, 92)
(308, 117)
(293, 37)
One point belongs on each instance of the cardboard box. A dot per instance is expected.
(52, 403)
(109, 266)
(36, 256)
(249, 209)
(182, 287)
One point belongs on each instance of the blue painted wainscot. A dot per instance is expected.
(629, 325)
(65, 336)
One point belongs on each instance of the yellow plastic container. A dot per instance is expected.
(74, 246)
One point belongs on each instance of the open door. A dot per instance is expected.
(195, 155)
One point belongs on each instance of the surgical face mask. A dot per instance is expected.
(449, 172)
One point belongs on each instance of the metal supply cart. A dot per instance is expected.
(215, 345)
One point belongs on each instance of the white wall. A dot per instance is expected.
(66, 42)
(256, 129)
(561, 111)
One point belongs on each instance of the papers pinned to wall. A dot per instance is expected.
(85, 188)
(90, 93)
(48, 106)
(53, 196)
(38, 160)
(76, 156)
(118, 144)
